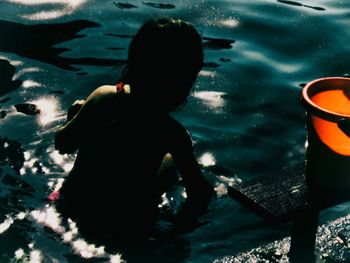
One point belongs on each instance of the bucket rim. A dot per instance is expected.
(316, 110)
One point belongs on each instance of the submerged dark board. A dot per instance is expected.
(276, 197)
(282, 195)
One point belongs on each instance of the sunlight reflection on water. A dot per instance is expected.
(63, 161)
(26, 70)
(211, 98)
(207, 73)
(49, 217)
(6, 224)
(281, 66)
(35, 256)
(30, 84)
(207, 159)
(66, 7)
(48, 110)
(19, 253)
(231, 22)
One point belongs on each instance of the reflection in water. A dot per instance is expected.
(38, 42)
(211, 98)
(207, 159)
(29, 166)
(164, 201)
(35, 256)
(229, 180)
(282, 67)
(61, 160)
(32, 165)
(48, 110)
(207, 73)
(221, 187)
(66, 7)
(231, 22)
(116, 259)
(21, 215)
(6, 224)
(19, 253)
(50, 218)
(58, 185)
(30, 84)
(72, 233)
(25, 70)
(87, 250)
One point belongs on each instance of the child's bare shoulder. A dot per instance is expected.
(102, 92)
(104, 96)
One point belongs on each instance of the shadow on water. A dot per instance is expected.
(177, 251)
(124, 5)
(158, 5)
(173, 250)
(12, 192)
(38, 41)
(7, 72)
(11, 153)
(149, 4)
(301, 5)
(217, 43)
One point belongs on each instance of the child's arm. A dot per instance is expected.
(74, 109)
(198, 190)
(68, 137)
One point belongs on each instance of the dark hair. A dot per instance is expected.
(164, 59)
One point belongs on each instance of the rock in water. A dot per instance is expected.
(27, 108)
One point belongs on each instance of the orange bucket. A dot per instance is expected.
(327, 101)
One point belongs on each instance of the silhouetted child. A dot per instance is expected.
(123, 132)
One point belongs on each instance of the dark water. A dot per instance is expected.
(245, 115)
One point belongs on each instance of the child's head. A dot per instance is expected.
(164, 59)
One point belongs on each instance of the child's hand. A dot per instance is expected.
(73, 110)
(186, 219)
